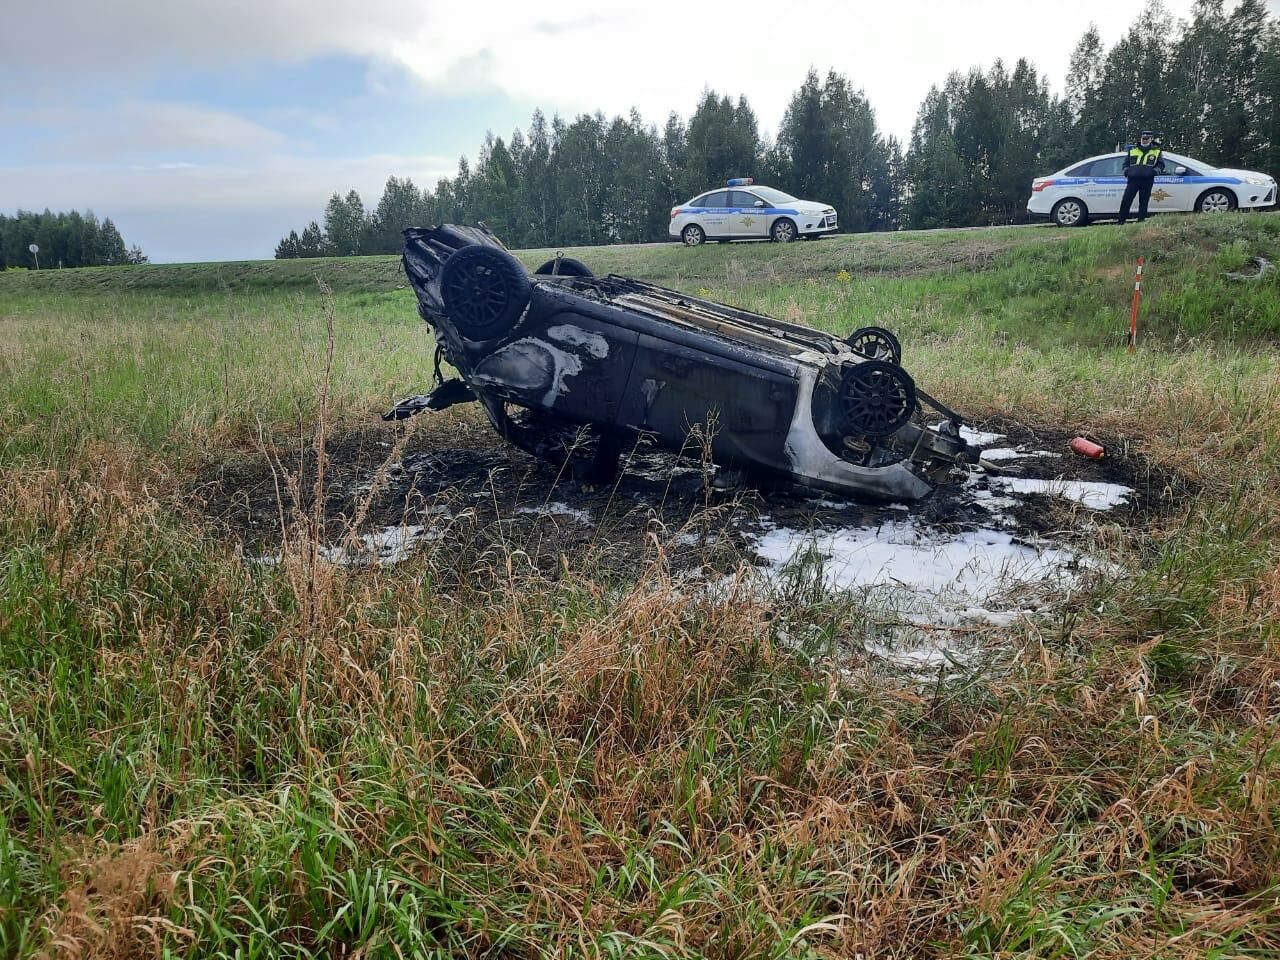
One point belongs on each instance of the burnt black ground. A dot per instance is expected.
(481, 501)
(1158, 491)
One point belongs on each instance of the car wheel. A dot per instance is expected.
(1216, 201)
(784, 231)
(484, 290)
(875, 343)
(693, 235)
(877, 398)
(564, 267)
(1070, 213)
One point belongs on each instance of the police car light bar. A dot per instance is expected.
(739, 182)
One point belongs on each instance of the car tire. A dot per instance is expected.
(783, 230)
(1217, 200)
(693, 236)
(876, 398)
(485, 291)
(568, 267)
(1069, 212)
(875, 343)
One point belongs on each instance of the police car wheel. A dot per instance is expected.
(1216, 201)
(784, 231)
(1070, 213)
(693, 235)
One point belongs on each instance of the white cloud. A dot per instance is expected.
(82, 36)
(585, 54)
(134, 128)
(660, 54)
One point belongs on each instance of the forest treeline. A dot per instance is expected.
(65, 240)
(1210, 83)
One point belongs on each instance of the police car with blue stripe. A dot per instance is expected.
(1092, 189)
(747, 211)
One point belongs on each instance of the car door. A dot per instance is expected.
(678, 386)
(714, 217)
(747, 216)
(1105, 186)
(1179, 187)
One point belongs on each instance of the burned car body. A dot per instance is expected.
(560, 349)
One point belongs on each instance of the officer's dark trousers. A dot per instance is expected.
(1141, 187)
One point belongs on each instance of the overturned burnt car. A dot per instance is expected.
(560, 355)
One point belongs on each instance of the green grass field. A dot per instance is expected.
(203, 756)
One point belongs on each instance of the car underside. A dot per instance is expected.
(565, 363)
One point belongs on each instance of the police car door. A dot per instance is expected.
(715, 218)
(1175, 190)
(1106, 185)
(746, 215)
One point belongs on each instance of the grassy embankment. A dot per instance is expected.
(206, 757)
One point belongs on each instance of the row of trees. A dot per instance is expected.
(65, 239)
(1211, 83)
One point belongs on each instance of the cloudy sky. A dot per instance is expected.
(208, 128)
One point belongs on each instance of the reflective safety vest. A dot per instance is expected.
(1144, 158)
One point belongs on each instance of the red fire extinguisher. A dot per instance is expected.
(1087, 448)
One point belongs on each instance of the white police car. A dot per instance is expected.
(746, 211)
(1085, 191)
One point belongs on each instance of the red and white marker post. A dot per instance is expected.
(1137, 299)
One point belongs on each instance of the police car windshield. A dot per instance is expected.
(773, 196)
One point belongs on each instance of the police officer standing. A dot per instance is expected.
(1140, 169)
